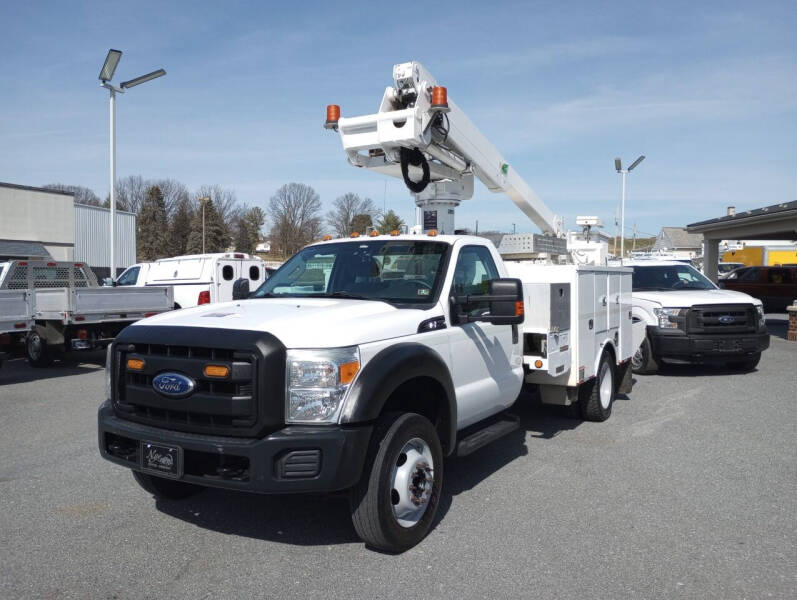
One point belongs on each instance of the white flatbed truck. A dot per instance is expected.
(363, 361)
(71, 311)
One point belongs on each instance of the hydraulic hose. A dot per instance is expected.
(415, 158)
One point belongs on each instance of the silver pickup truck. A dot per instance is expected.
(69, 310)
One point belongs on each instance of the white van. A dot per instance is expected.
(205, 278)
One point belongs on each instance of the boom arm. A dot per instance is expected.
(426, 139)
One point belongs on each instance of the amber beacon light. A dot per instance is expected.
(333, 116)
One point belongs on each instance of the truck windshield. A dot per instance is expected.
(669, 277)
(395, 271)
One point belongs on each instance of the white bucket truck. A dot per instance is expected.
(364, 361)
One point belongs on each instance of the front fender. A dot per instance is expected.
(392, 367)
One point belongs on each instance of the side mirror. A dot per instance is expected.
(505, 301)
(108, 281)
(240, 289)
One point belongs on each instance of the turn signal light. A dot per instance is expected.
(519, 308)
(216, 371)
(374, 233)
(19, 325)
(347, 371)
(432, 232)
(204, 297)
(394, 232)
(355, 234)
(333, 115)
(135, 364)
(326, 238)
(538, 363)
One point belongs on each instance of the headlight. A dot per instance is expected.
(317, 383)
(761, 317)
(108, 365)
(668, 316)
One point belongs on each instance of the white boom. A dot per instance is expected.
(423, 137)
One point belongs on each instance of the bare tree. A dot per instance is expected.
(174, 193)
(340, 219)
(295, 212)
(130, 191)
(83, 195)
(225, 203)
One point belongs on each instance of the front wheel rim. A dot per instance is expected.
(606, 385)
(412, 482)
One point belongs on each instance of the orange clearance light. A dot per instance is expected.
(440, 98)
(374, 233)
(347, 371)
(538, 363)
(326, 238)
(519, 308)
(394, 232)
(355, 234)
(432, 232)
(333, 115)
(216, 370)
(135, 364)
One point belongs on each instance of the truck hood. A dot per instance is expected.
(683, 298)
(304, 323)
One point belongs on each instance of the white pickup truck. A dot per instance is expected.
(359, 366)
(690, 320)
(71, 311)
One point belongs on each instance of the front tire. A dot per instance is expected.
(395, 502)
(598, 394)
(36, 350)
(745, 365)
(168, 489)
(642, 362)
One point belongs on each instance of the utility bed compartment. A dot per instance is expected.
(16, 311)
(572, 313)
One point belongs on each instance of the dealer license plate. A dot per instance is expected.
(166, 461)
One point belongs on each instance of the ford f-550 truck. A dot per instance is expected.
(363, 361)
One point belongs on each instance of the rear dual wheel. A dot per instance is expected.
(37, 351)
(597, 396)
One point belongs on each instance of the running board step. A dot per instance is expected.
(507, 423)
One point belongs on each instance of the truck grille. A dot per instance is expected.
(237, 405)
(730, 318)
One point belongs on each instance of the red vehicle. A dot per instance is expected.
(776, 287)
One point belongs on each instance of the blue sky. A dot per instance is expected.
(707, 91)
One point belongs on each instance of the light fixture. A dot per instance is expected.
(636, 162)
(143, 79)
(109, 66)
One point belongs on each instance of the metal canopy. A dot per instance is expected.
(775, 222)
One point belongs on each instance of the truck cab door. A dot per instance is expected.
(484, 372)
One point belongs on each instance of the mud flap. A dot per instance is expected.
(625, 377)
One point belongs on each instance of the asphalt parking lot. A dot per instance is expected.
(689, 490)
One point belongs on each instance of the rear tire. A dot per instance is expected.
(745, 365)
(598, 394)
(395, 502)
(642, 362)
(36, 350)
(168, 489)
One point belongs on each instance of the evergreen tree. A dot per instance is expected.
(152, 236)
(389, 222)
(215, 232)
(180, 228)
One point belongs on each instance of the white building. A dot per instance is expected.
(38, 222)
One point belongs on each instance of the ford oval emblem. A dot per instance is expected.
(725, 319)
(174, 385)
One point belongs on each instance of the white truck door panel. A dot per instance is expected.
(486, 373)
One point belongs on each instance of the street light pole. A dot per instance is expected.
(112, 232)
(106, 74)
(618, 166)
